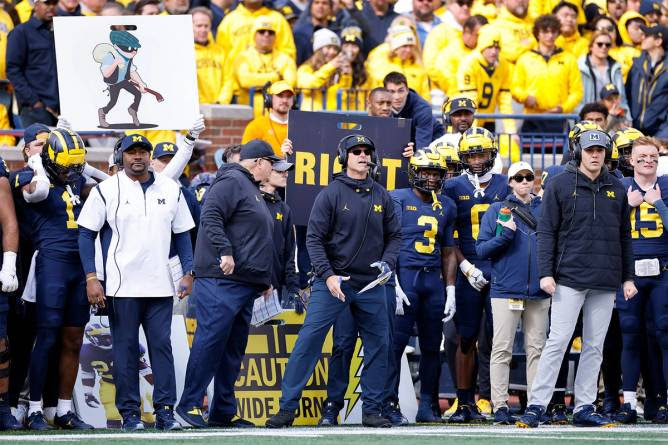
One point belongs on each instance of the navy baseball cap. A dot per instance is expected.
(356, 140)
(135, 140)
(31, 132)
(462, 103)
(649, 6)
(608, 90)
(660, 31)
(164, 149)
(258, 148)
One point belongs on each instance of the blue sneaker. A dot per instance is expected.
(132, 422)
(587, 416)
(502, 416)
(192, 417)
(8, 422)
(330, 415)
(71, 421)
(661, 416)
(426, 414)
(37, 422)
(531, 418)
(393, 413)
(626, 415)
(164, 419)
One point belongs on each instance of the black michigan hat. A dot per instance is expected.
(258, 148)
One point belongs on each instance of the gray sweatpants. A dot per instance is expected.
(566, 304)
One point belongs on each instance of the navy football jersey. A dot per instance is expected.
(650, 238)
(53, 221)
(425, 228)
(550, 173)
(470, 209)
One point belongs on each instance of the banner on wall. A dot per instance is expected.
(121, 73)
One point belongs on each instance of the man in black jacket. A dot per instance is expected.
(584, 255)
(353, 229)
(232, 269)
(408, 104)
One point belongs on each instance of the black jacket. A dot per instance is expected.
(584, 241)
(647, 93)
(235, 221)
(424, 127)
(352, 224)
(284, 273)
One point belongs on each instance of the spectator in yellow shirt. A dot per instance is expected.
(213, 82)
(273, 126)
(631, 35)
(404, 58)
(351, 47)
(515, 29)
(485, 78)
(235, 33)
(570, 39)
(447, 62)
(456, 14)
(547, 79)
(399, 25)
(261, 64)
(324, 73)
(6, 25)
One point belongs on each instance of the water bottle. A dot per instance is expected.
(504, 215)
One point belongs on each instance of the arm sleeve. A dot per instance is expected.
(548, 228)
(392, 228)
(575, 89)
(184, 250)
(306, 78)
(316, 235)
(291, 276)
(94, 212)
(662, 210)
(87, 249)
(215, 214)
(183, 220)
(175, 166)
(628, 269)
(488, 245)
(16, 60)
(424, 128)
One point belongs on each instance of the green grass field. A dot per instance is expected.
(419, 435)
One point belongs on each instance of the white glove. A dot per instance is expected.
(473, 274)
(8, 272)
(63, 123)
(401, 298)
(198, 127)
(94, 173)
(35, 163)
(450, 304)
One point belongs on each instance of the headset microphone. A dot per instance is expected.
(372, 164)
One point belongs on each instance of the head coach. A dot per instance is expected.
(353, 230)
(233, 266)
(584, 256)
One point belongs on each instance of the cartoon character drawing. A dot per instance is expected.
(120, 73)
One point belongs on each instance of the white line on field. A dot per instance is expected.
(551, 433)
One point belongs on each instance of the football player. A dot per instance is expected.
(10, 246)
(623, 140)
(97, 361)
(427, 220)
(52, 194)
(473, 192)
(448, 152)
(648, 197)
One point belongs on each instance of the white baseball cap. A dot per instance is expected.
(517, 167)
(324, 37)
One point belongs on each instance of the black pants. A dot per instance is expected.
(115, 90)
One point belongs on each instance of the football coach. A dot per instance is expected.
(233, 266)
(353, 232)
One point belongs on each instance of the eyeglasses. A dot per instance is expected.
(266, 31)
(608, 28)
(519, 178)
(462, 3)
(359, 151)
(271, 161)
(603, 44)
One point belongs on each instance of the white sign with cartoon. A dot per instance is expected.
(125, 73)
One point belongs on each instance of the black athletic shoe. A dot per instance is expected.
(375, 421)
(164, 419)
(558, 415)
(393, 413)
(192, 417)
(462, 415)
(70, 421)
(330, 415)
(37, 422)
(234, 422)
(282, 419)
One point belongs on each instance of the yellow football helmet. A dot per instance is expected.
(63, 155)
(622, 140)
(477, 140)
(426, 159)
(449, 154)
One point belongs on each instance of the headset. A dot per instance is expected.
(605, 143)
(342, 153)
(266, 97)
(118, 154)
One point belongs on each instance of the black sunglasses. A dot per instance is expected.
(519, 178)
(271, 161)
(266, 31)
(603, 44)
(462, 3)
(359, 151)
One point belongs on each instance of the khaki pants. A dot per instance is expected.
(535, 323)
